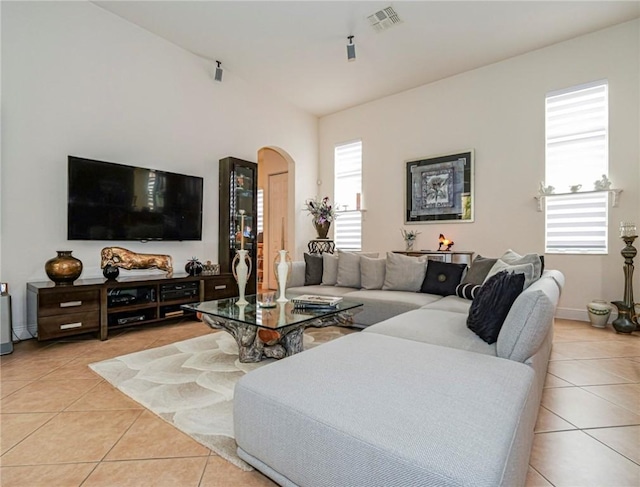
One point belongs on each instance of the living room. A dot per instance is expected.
(79, 80)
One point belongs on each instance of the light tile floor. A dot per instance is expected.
(62, 425)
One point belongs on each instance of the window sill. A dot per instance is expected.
(614, 201)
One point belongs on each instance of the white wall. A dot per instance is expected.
(498, 111)
(79, 80)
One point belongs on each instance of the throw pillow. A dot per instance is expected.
(348, 270)
(492, 304)
(513, 258)
(372, 272)
(312, 269)
(478, 271)
(442, 278)
(404, 273)
(329, 269)
(467, 291)
(527, 269)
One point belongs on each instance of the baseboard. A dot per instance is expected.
(580, 314)
(21, 332)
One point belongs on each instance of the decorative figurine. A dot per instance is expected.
(602, 184)
(442, 240)
(545, 190)
(575, 188)
(126, 259)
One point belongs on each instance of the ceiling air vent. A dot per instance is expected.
(384, 19)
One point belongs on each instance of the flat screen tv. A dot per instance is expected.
(108, 201)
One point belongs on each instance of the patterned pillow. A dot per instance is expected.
(442, 278)
(467, 291)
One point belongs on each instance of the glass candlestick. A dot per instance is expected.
(628, 229)
(627, 320)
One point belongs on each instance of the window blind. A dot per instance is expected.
(347, 192)
(576, 154)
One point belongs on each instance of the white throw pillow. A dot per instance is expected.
(513, 258)
(349, 268)
(404, 273)
(527, 269)
(372, 272)
(329, 269)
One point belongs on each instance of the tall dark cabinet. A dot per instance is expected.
(238, 190)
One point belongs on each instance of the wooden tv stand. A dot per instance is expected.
(99, 305)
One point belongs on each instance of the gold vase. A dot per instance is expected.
(322, 228)
(63, 269)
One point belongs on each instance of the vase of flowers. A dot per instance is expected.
(323, 214)
(409, 238)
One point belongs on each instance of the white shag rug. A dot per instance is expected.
(190, 384)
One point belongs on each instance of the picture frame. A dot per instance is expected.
(440, 189)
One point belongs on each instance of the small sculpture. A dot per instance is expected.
(126, 259)
(446, 242)
(544, 190)
(602, 184)
(575, 188)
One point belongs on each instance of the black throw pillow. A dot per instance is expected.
(492, 304)
(313, 269)
(442, 278)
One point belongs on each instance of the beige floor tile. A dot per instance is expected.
(69, 475)
(573, 458)
(152, 437)
(72, 437)
(629, 346)
(46, 396)
(625, 440)
(534, 479)
(8, 387)
(16, 427)
(30, 368)
(586, 333)
(624, 367)
(624, 395)
(583, 373)
(104, 396)
(547, 421)
(586, 410)
(553, 381)
(78, 368)
(171, 472)
(220, 473)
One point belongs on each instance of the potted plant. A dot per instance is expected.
(323, 214)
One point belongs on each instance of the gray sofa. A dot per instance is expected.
(416, 399)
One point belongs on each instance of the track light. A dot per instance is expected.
(218, 74)
(351, 50)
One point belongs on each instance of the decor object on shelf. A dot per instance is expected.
(241, 268)
(627, 320)
(282, 268)
(194, 267)
(111, 272)
(602, 184)
(323, 214)
(409, 238)
(545, 190)
(599, 312)
(575, 188)
(442, 240)
(64, 268)
(126, 259)
(210, 269)
(267, 300)
(440, 189)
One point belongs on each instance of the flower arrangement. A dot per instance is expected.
(322, 211)
(409, 236)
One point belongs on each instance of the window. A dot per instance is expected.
(347, 194)
(577, 154)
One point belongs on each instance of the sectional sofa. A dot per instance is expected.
(415, 399)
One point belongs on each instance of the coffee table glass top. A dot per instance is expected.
(280, 316)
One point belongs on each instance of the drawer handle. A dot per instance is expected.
(68, 326)
(223, 286)
(70, 304)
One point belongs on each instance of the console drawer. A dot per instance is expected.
(68, 324)
(57, 303)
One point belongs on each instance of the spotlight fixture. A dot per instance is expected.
(351, 50)
(218, 74)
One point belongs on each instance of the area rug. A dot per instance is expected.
(190, 384)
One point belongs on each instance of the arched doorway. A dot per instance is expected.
(275, 192)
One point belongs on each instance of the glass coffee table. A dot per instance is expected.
(269, 332)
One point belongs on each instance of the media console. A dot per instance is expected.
(98, 305)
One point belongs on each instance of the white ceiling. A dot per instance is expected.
(297, 49)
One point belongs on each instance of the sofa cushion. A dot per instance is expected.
(479, 269)
(349, 268)
(442, 278)
(313, 269)
(513, 258)
(490, 308)
(527, 270)
(329, 269)
(372, 272)
(404, 273)
(451, 303)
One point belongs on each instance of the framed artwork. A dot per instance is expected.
(440, 189)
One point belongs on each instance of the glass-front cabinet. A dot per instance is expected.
(238, 190)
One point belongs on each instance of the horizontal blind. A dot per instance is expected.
(347, 188)
(577, 154)
(260, 210)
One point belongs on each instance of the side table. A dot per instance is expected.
(455, 256)
(321, 245)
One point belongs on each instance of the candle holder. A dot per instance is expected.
(241, 268)
(282, 266)
(627, 320)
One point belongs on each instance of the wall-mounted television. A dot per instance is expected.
(108, 201)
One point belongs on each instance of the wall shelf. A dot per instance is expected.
(615, 196)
